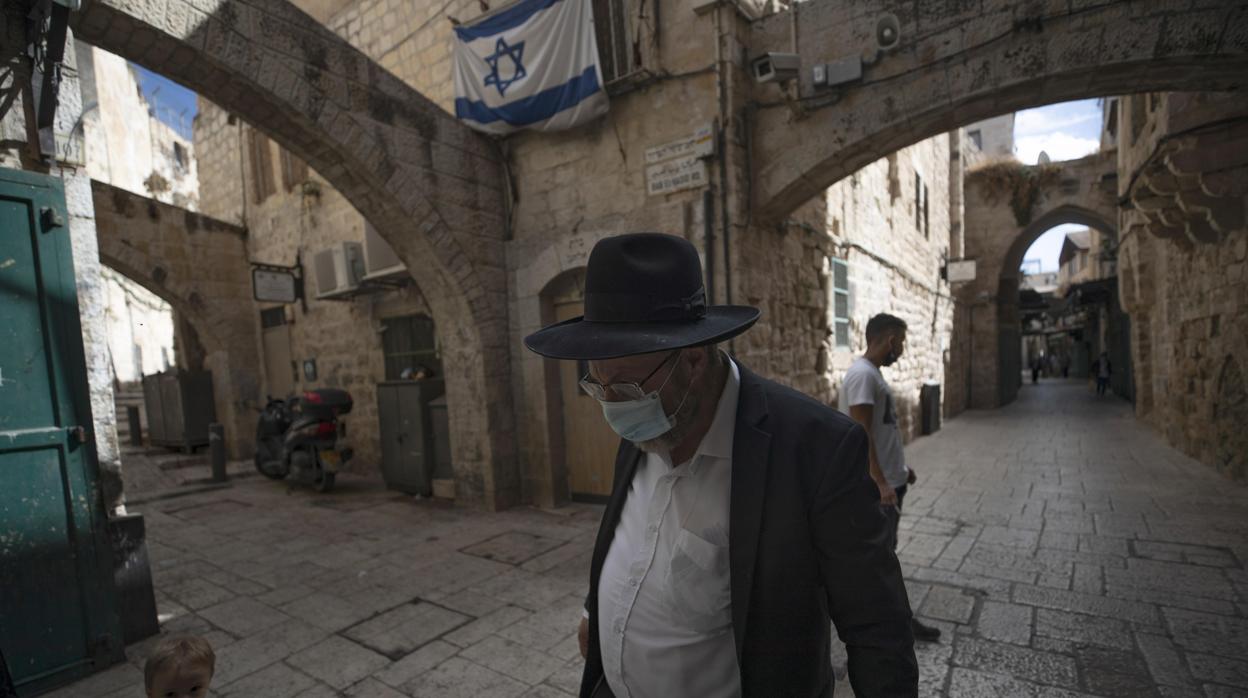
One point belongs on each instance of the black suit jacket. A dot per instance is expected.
(807, 541)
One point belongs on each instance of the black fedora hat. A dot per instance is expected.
(643, 293)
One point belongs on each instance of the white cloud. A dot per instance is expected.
(1059, 146)
(1049, 119)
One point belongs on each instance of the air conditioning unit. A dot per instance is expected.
(380, 261)
(339, 269)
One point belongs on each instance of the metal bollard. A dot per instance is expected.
(136, 427)
(216, 451)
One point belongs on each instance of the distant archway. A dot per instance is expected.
(1082, 192)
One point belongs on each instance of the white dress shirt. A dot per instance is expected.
(664, 603)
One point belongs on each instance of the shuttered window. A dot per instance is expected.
(840, 303)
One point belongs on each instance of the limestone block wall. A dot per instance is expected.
(343, 336)
(1189, 320)
(893, 256)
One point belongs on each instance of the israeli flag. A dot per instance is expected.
(532, 65)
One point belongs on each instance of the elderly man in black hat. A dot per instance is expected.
(742, 515)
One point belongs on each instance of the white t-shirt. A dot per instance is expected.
(865, 385)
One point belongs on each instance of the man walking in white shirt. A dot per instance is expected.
(866, 397)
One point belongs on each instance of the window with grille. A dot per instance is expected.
(410, 342)
(273, 317)
(617, 50)
(840, 302)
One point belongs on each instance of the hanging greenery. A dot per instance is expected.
(1020, 184)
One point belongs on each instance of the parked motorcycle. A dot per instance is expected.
(302, 435)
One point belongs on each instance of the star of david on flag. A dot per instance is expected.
(516, 54)
(533, 64)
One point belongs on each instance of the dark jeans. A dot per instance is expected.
(1101, 385)
(894, 514)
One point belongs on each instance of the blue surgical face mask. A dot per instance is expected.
(643, 419)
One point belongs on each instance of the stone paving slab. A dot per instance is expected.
(1060, 546)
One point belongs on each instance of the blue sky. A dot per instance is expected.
(1065, 131)
(170, 100)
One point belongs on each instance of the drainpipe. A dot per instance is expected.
(708, 242)
(721, 94)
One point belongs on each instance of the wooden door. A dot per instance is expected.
(58, 610)
(589, 442)
(278, 364)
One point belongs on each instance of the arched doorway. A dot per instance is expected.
(580, 434)
(430, 185)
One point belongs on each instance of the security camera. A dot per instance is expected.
(776, 67)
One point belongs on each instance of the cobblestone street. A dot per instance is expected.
(1061, 547)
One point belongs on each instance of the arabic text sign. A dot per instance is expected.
(688, 172)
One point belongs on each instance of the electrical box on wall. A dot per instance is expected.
(380, 260)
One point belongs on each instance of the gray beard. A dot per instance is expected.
(664, 443)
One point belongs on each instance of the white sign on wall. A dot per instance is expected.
(679, 165)
(700, 144)
(273, 286)
(688, 172)
(960, 271)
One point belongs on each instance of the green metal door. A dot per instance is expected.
(58, 616)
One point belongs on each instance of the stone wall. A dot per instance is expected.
(893, 256)
(1189, 319)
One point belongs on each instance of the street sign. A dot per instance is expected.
(274, 285)
(961, 270)
(701, 144)
(688, 172)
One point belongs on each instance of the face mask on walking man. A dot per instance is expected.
(714, 460)
(866, 397)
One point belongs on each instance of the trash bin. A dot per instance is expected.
(929, 407)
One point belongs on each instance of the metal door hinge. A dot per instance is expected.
(51, 218)
(79, 434)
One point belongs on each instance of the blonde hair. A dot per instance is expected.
(178, 651)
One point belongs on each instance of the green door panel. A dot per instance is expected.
(58, 614)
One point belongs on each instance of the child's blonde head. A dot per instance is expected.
(176, 653)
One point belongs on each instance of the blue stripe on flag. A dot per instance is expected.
(509, 18)
(535, 108)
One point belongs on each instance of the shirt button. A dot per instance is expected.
(632, 582)
(653, 528)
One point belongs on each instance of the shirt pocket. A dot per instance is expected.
(697, 584)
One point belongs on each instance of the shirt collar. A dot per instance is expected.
(717, 443)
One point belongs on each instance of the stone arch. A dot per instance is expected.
(199, 266)
(961, 62)
(430, 185)
(1076, 191)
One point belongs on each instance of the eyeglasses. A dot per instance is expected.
(625, 391)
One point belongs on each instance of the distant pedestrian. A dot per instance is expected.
(1066, 366)
(1035, 370)
(867, 398)
(179, 667)
(1103, 371)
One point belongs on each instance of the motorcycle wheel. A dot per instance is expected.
(325, 482)
(270, 469)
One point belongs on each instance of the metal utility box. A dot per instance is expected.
(929, 408)
(442, 469)
(407, 444)
(179, 408)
